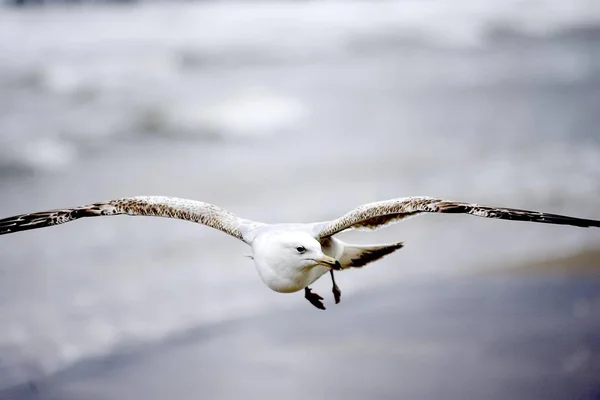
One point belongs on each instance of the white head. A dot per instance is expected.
(295, 248)
(284, 258)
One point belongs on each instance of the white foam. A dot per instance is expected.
(280, 29)
(45, 154)
(249, 112)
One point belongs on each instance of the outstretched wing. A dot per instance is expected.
(155, 206)
(376, 215)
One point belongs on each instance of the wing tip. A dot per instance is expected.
(591, 223)
(25, 222)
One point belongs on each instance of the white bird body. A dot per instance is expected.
(290, 257)
(283, 270)
(280, 266)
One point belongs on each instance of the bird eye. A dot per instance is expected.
(300, 249)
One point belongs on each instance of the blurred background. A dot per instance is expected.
(299, 111)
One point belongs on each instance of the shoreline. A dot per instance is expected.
(585, 262)
(451, 337)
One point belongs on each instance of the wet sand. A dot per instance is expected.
(582, 263)
(494, 336)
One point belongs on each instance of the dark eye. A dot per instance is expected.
(300, 249)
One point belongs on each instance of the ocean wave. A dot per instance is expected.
(247, 112)
(245, 30)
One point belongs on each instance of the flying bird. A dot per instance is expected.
(291, 257)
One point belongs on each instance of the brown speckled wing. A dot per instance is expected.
(156, 206)
(376, 215)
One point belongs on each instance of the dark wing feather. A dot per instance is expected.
(43, 219)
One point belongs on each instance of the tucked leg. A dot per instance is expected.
(314, 298)
(337, 293)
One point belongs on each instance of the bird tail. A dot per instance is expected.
(357, 256)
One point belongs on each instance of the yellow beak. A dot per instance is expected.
(330, 262)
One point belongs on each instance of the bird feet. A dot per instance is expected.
(337, 293)
(314, 298)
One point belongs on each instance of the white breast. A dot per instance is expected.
(287, 280)
(279, 266)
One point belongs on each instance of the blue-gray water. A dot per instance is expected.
(278, 112)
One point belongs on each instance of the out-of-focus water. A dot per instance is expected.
(278, 112)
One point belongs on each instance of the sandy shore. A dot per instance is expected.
(493, 336)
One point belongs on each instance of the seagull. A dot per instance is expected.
(290, 257)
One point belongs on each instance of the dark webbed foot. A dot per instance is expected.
(337, 293)
(314, 298)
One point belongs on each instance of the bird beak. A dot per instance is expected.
(329, 262)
